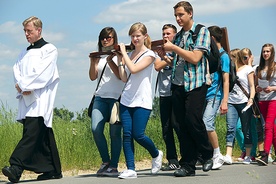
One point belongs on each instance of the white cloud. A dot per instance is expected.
(10, 27)
(144, 10)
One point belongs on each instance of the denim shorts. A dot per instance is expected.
(209, 116)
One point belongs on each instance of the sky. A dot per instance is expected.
(73, 27)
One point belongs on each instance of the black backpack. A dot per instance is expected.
(232, 75)
(214, 56)
(232, 72)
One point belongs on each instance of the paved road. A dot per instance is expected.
(236, 173)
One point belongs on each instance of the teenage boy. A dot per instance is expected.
(189, 90)
(165, 101)
(217, 97)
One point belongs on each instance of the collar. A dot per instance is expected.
(38, 44)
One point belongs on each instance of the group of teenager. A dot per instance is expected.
(188, 100)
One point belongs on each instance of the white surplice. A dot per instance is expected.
(36, 71)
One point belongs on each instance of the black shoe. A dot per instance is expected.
(182, 172)
(262, 158)
(170, 167)
(10, 172)
(207, 165)
(49, 176)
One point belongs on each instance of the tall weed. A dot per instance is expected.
(76, 145)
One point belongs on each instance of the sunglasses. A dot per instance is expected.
(245, 58)
(108, 38)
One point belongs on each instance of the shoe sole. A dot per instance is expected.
(111, 174)
(10, 176)
(261, 162)
(127, 177)
(49, 178)
(184, 176)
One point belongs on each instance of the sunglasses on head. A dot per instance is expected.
(245, 57)
(108, 38)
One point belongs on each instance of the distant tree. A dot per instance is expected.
(83, 115)
(63, 114)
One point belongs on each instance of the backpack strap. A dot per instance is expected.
(197, 29)
(220, 82)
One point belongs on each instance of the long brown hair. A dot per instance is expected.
(105, 32)
(271, 62)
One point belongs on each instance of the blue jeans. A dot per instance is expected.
(100, 115)
(232, 116)
(134, 121)
(210, 112)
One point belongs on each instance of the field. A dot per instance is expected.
(75, 143)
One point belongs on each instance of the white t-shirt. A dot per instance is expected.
(263, 96)
(236, 96)
(137, 91)
(110, 86)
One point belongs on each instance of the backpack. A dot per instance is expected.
(232, 72)
(214, 56)
(232, 75)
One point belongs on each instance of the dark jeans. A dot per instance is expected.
(168, 127)
(188, 108)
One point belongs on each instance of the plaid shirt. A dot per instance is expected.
(194, 75)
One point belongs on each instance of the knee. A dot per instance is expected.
(138, 137)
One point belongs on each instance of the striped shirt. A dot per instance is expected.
(194, 76)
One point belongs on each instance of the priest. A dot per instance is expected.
(36, 81)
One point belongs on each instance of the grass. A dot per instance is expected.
(75, 143)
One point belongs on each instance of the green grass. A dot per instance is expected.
(75, 143)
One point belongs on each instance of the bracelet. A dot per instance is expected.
(121, 64)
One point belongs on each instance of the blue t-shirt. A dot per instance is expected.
(217, 78)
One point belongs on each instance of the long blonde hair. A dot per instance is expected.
(241, 54)
(138, 26)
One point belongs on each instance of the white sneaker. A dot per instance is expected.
(247, 160)
(227, 159)
(270, 160)
(128, 174)
(157, 163)
(218, 161)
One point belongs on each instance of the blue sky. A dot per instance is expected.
(73, 27)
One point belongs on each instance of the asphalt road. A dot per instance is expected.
(236, 173)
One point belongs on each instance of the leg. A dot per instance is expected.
(231, 123)
(140, 120)
(128, 144)
(100, 114)
(239, 136)
(167, 128)
(209, 117)
(116, 144)
(195, 138)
